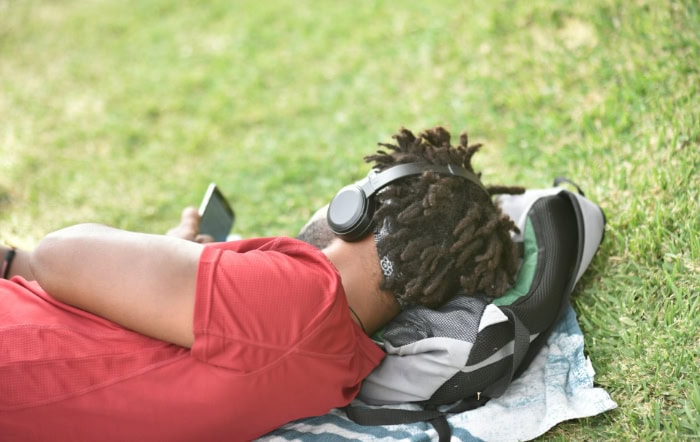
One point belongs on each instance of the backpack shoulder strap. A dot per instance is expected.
(521, 345)
(396, 416)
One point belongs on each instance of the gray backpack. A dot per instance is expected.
(470, 349)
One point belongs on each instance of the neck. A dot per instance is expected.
(358, 265)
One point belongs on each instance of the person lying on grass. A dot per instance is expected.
(107, 334)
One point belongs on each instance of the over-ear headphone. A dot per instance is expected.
(351, 210)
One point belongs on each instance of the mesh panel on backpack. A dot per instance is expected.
(459, 319)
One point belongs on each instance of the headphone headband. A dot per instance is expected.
(350, 212)
(376, 181)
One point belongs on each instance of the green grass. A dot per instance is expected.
(122, 112)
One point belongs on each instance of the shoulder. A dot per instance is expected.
(278, 266)
(271, 293)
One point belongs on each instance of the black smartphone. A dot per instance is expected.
(217, 216)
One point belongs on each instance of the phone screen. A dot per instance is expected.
(216, 214)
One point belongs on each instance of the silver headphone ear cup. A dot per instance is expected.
(363, 225)
(348, 212)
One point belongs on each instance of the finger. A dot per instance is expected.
(190, 220)
(189, 225)
(190, 215)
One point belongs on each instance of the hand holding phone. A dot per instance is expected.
(216, 215)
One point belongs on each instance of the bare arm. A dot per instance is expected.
(143, 282)
(187, 229)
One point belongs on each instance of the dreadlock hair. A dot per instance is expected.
(440, 233)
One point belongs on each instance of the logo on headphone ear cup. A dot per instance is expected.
(350, 213)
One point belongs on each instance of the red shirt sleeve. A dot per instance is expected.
(257, 299)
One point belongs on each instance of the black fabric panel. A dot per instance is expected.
(573, 251)
(556, 229)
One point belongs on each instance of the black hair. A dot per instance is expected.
(437, 234)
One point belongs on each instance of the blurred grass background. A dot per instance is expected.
(121, 112)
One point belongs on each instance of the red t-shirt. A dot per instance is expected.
(274, 342)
